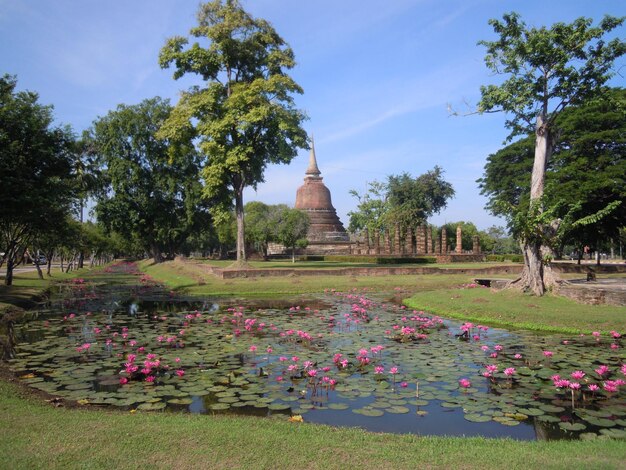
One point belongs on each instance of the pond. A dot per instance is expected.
(341, 358)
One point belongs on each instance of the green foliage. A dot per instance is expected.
(371, 259)
(585, 178)
(154, 195)
(243, 117)
(36, 162)
(501, 258)
(292, 226)
(401, 200)
(559, 66)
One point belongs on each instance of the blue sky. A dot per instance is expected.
(377, 76)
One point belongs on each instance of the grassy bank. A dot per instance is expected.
(511, 308)
(37, 435)
(437, 294)
(27, 288)
(185, 278)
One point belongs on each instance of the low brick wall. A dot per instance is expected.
(371, 271)
(593, 295)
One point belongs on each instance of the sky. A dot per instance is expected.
(379, 79)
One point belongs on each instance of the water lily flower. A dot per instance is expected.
(509, 371)
(180, 372)
(577, 374)
(548, 353)
(465, 383)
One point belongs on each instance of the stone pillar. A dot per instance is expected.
(377, 242)
(397, 249)
(366, 235)
(408, 242)
(444, 241)
(475, 244)
(429, 239)
(421, 241)
(459, 239)
(358, 247)
(438, 249)
(387, 242)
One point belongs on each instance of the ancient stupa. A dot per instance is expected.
(313, 197)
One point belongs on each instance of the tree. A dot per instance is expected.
(154, 190)
(243, 117)
(586, 174)
(261, 224)
(402, 200)
(36, 164)
(371, 210)
(547, 70)
(412, 201)
(292, 226)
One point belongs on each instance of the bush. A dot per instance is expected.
(506, 258)
(370, 259)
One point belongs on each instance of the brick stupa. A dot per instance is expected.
(313, 197)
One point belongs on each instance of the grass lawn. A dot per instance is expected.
(27, 287)
(37, 435)
(184, 278)
(511, 308)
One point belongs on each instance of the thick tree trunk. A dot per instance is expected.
(156, 253)
(241, 243)
(8, 279)
(533, 275)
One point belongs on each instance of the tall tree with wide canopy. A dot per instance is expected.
(586, 174)
(402, 200)
(154, 191)
(546, 71)
(243, 115)
(36, 160)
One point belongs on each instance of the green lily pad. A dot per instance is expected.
(477, 418)
(572, 426)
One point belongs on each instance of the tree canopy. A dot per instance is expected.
(586, 174)
(402, 200)
(154, 194)
(243, 115)
(36, 162)
(546, 70)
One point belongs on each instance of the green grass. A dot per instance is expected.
(27, 287)
(511, 308)
(185, 278)
(330, 265)
(37, 435)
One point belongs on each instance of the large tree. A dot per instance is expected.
(36, 161)
(402, 200)
(546, 70)
(242, 114)
(585, 176)
(154, 191)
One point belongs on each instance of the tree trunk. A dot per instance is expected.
(8, 279)
(241, 244)
(533, 275)
(39, 273)
(156, 253)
